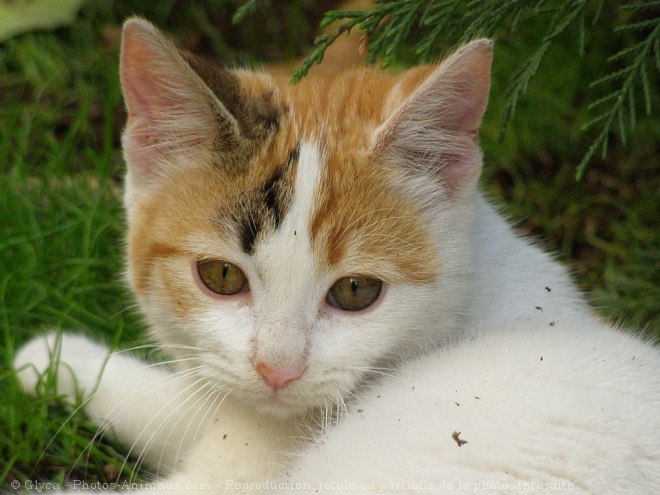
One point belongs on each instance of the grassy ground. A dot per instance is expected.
(61, 222)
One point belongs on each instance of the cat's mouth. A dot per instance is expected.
(302, 395)
(293, 400)
(280, 404)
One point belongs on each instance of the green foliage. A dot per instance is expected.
(60, 237)
(390, 25)
(209, 26)
(247, 9)
(619, 105)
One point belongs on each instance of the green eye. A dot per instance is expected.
(354, 293)
(222, 277)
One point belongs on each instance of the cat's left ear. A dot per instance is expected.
(173, 116)
(435, 129)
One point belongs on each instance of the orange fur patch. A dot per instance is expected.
(361, 223)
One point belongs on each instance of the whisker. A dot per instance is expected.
(107, 422)
(204, 398)
(173, 399)
(374, 371)
(214, 408)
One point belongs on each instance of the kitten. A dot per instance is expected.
(343, 309)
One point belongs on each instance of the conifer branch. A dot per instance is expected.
(248, 8)
(390, 23)
(622, 100)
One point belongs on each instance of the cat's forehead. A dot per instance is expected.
(322, 173)
(311, 178)
(347, 209)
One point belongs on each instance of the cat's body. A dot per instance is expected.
(343, 307)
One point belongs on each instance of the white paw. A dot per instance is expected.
(65, 364)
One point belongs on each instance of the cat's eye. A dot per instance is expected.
(354, 293)
(222, 277)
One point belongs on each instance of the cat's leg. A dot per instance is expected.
(148, 408)
(239, 452)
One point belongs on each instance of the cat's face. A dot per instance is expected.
(285, 242)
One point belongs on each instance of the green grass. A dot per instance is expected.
(61, 224)
(60, 236)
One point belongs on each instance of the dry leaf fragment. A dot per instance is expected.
(455, 438)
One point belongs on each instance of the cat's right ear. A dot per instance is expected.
(434, 130)
(173, 117)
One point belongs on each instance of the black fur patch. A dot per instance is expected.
(264, 209)
(258, 117)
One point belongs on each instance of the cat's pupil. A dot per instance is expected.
(354, 293)
(222, 277)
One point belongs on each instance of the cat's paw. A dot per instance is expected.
(65, 364)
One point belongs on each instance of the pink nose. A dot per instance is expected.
(277, 378)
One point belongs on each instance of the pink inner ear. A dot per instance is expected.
(441, 119)
(169, 109)
(145, 99)
(152, 76)
(135, 60)
(467, 88)
(463, 170)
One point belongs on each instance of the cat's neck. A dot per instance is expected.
(537, 287)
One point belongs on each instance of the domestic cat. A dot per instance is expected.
(343, 309)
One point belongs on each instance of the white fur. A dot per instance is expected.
(515, 279)
(547, 399)
(500, 348)
(542, 412)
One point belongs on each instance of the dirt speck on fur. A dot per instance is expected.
(455, 437)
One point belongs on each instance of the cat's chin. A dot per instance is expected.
(278, 407)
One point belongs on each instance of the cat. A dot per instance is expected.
(343, 309)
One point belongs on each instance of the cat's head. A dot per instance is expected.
(288, 241)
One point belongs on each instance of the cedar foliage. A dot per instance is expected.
(393, 26)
